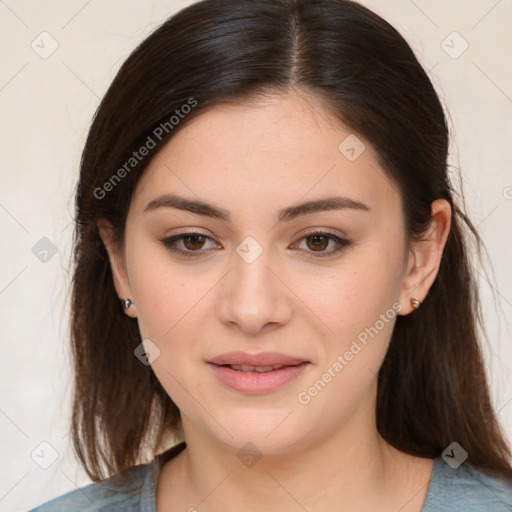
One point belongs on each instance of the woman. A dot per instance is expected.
(271, 267)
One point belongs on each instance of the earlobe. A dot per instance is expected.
(117, 265)
(425, 257)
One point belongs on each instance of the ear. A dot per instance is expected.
(117, 264)
(425, 257)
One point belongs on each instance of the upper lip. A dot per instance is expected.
(261, 359)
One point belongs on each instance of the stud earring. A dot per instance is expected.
(415, 303)
(126, 303)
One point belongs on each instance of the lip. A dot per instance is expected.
(253, 382)
(261, 359)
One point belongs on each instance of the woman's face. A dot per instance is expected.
(259, 281)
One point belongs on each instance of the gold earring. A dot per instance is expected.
(415, 303)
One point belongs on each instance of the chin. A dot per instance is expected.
(273, 433)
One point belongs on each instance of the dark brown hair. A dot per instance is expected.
(432, 385)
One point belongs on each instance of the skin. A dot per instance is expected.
(253, 160)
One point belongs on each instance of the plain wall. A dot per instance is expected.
(46, 105)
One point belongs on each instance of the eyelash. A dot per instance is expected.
(170, 243)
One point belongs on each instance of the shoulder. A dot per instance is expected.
(466, 489)
(129, 492)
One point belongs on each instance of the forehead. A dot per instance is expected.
(267, 154)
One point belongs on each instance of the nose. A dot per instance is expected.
(253, 296)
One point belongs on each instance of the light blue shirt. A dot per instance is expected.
(450, 490)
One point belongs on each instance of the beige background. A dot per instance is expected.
(46, 106)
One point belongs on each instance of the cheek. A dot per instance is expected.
(166, 297)
(346, 376)
(160, 306)
(361, 320)
(356, 297)
(360, 306)
(169, 316)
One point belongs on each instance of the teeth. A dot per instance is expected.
(261, 369)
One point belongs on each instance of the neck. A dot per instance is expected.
(352, 469)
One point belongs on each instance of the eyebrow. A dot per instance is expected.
(286, 214)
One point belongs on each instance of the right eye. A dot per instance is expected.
(192, 241)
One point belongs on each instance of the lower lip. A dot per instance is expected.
(256, 382)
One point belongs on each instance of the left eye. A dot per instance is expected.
(319, 241)
(194, 242)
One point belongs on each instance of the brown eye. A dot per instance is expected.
(317, 242)
(193, 242)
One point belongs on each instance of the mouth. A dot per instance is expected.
(258, 369)
(264, 361)
(256, 374)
